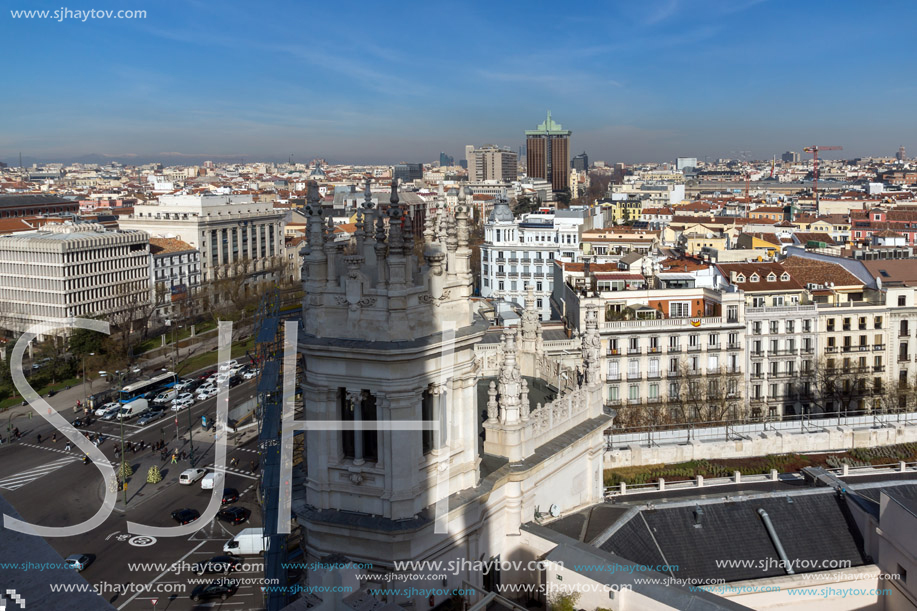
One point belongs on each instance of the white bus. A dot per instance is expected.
(146, 389)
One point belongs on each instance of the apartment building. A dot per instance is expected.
(175, 275)
(670, 354)
(517, 253)
(70, 270)
(492, 162)
(228, 230)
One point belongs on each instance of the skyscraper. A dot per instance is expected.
(790, 157)
(446, 160)
(901, 155)
(548, 153)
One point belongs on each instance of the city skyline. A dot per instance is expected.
(673, 80)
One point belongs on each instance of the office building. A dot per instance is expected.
(491, 162)
(580, 163)
(446, 160)
(70, 271)
(685, 163)
(548, 153)
(231, 232)
(790, 157)
(901, 155)
(407, 172)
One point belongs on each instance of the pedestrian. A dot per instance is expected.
(67, 447)
(183, 455)
(54, 438)
(16, 433)
(174, 459)
(39, 438)
(252, 464)
(233, 461)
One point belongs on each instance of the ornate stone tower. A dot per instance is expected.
(388, 343)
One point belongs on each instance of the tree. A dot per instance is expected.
(598, 186)
(563, 198)
(125, 471)
(153, 476)
(525, 204)
(563, 601)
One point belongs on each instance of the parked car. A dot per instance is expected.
(230, 495)
(78, 562)
(221, 588)
(217, 564)
(106, 408)
(234, 514)
(150, 416)
(185, 516)
(189, 476)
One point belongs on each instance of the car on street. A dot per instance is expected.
(221, 588)
(206, 375)
(234, 381)
(234, 514)
(106, 408)
(230, 495)
(183, 402)
(150, 416)
(227, 366)
(183, 385)
(112, 413)
(206, 392)
(217, 564)
(189, 476)
(165, 396)
(78, 562)
(250, 374)
(185, 516)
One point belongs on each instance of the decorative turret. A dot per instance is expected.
(591, 346)
(510, 386)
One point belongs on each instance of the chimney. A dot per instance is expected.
(732, 277)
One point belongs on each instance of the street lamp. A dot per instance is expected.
(85, 396)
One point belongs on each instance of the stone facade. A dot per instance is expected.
(389, 342)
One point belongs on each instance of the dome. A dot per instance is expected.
(501, 213)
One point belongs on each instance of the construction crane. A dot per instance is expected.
(814, 150)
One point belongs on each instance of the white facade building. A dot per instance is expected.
(520, 253)
(175, 274)
(70, 271)
(226, 229)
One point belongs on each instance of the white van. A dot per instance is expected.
(189, 476)
(210, 480)
(249, 542)
(165, 396)
(132, 409)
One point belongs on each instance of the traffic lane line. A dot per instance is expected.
(161, 575)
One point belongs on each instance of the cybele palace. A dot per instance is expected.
(391, 337)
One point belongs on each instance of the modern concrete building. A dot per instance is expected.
(68, 271)
(229, 231)
(548, 153)
(580, 163)
(491, 162)
(407, 172)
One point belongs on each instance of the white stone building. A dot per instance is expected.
(518, 253)
(68, 271)
(390, 339)
(226, 229)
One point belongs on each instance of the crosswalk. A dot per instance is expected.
(21, 479)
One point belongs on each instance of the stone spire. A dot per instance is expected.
(493, 408)
(524, 400)
(395, 220)
(313, 253)
(380, 247)
(591, 346)
(510, 385)
(429, 229)
(530, 317)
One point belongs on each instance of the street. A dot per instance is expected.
(51, 486)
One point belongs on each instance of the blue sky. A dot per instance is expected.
(390, 82)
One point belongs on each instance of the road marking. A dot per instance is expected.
(161, 575)
(19, 480)
(232, 471)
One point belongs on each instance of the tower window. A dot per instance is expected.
(365, 410)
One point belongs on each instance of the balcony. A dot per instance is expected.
(653, 375)
(613, 377)
(878, 347)
(808, 349)
(830, 348)
(501, 274)
(712, 347)
(512, 259)
(633, 351)
(757, 375)
(734, 347)
(500, 260)
(634, 376)
(903, 333)
(879, 368)
(757, 353)
(655, 349)
(613, 352)
(633, 401)
(847, 348)
(696, 348)
(863, 348)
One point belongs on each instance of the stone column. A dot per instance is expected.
(356, 399)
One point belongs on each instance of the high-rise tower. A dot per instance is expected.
(548, 153)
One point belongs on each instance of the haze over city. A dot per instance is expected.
(634, 83)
